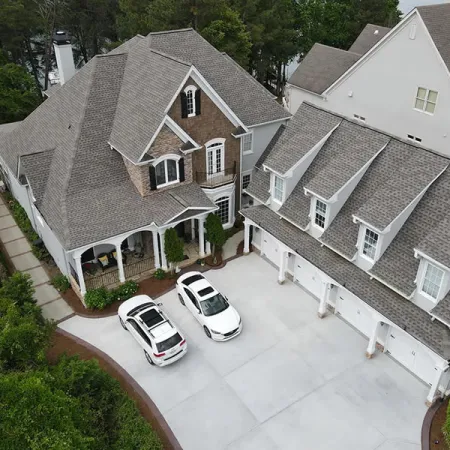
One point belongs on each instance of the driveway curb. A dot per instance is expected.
(134, 390)
(426, 426)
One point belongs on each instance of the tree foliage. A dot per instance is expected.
(215, 233)
(173, 247)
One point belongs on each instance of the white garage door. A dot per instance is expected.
(270, 248)
(308, 277)
(354, 312)
(410, 353)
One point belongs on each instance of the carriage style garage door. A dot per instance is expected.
(410, 353)
(354, 312)
(308, 277)
(270, 248)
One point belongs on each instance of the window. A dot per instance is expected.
(247, 144)
(224, 209)
(426, 100)
(414, 138)
(192, 298)
(215, 157)
(166, 172)
(432, 281)
(278, 189)
(246, 178)
(370, 244)
(190, 100)
(321, 214)
(360, 118)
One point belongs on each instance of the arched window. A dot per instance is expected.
(190, 100)
(167, 171)
(224, 209)
(215, 157)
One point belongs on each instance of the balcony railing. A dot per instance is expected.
(210, 180)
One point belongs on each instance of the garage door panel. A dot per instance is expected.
(270, 249)
(308, 277)
(354, 312)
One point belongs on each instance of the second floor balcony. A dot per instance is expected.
(218, 178)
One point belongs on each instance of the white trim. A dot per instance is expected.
(366, 224)
(221, 146)
(202, 208)
(326, 216)
(313, 194)
(244, 173)
(376, 247)
(193, 89)
(163, 159)
(180, 132)
(290, 85)
(270, 121)
(243, 136)
(283, 192)
(425, 100)
(225, 197)
(418, 253)
(371, 275)
(422, 282)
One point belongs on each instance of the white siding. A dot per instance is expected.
(296, 96)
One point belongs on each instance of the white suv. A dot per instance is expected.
(163, 344)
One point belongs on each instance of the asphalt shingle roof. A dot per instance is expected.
(37, 168)
(260, 185)
(248, 99)
(437, 20)
(442, 310)
(436, 244)
(369, 36)
(321, 67)
(394, 307)
(306, 129)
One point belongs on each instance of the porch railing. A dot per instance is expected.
(210, 180)
(139, 267)
(103, 279)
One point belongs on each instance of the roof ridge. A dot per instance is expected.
(335, 48)
(166, 55)
(181, 30)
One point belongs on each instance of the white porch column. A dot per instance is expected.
(80, 275)
(201, 237)
(193, 229)
(324, 301)
(208, 247)
(156, 249)
(246, 237)
(283, 266)
(163, 253)
(440, 369)
(373, 341)
(120, 263)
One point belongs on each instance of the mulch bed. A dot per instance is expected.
(64, 343)
(437, 423)
(240, 248)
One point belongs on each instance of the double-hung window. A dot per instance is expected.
(246, 178)
(166, 172)
(370, 244)
(320, 214)
(432, 280)
(426, 100)
(278, 188)
(190, 100)
(247, 144)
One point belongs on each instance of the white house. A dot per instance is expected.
(150, 136)
(400, 85)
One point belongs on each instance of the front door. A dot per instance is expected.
(215, 160)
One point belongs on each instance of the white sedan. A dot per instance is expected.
(162, 343)
(219, 319)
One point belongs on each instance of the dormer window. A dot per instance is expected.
(190, 102)
(278, 189)
(166, 171)
(370, 244)
(320, 215)
(432, 281)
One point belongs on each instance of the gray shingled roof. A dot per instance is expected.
(260, 185)
(355, 147)
(37, 168)
(306, 129)
(394, 307)
(248, 99)
(321, 67)
(437, 20)
(442, 310)
(411, 178)
(369, 36)
(150, 82)
(436, 244)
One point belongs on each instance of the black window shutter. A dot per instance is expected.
(184, 112)
(198, 103)
(152, 173)
(181, 169)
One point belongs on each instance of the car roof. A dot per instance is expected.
(156, 324)
(200, 285)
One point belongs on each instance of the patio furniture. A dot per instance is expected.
(108, 260)
(90, 268)
(138, 251)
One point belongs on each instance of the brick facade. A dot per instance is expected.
(165, 143)
(210, 124)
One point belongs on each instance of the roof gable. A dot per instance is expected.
(369, 36)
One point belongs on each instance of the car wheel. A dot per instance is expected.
(181, 299)
(123, 325)
(207, 332)
(149, 359)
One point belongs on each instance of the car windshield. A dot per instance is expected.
(168, 343)
(214, 305)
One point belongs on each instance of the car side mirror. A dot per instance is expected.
(198, 311)
(159, 304)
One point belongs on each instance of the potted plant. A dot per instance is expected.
(215, 234)
(173, 248)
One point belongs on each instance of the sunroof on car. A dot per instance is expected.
(192, 279)
(151, 318)
(205, 291)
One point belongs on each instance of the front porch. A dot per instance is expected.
(135, 257)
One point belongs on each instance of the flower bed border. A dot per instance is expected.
(427, 422)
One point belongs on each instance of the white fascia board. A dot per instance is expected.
(313, 194)
(147, 148)
(268, 169)
(371, 275)
(305, 90)
(420, 254)
(293, 223)
(357, 174)
(202, 208)
(434, 46)
(256, 198)
(180, 132)
(416, 198)
(356, 219)
(191, 150)
(439, 319)
(369, 54)
(337, 251)
(270, 122)
(125, 156)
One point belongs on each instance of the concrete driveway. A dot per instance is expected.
(289, 381)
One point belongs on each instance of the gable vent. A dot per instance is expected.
(412, 31)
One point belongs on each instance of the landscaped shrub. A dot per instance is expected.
(126, 290)
(22, 220)
(40, 252)
(215, 233)
(159, 274)
(173, 248)
(60, 282)
(98, 298)
(18, 288)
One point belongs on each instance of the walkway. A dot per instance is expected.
(230, 248)
(19, 251)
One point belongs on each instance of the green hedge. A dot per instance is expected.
(100, 298)
(60, 282)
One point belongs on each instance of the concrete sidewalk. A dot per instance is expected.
(19, 251)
